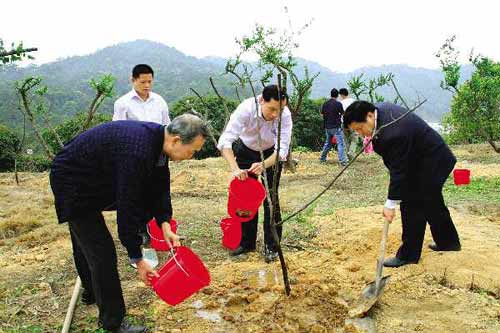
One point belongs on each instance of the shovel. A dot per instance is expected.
(371, 293)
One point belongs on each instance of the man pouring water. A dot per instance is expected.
(118, 164)
(240, 145)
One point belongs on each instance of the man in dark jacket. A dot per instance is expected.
(120, 165)
(419, 163)
(332, 112)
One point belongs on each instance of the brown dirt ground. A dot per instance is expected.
(445, 292)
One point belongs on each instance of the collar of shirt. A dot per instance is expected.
(135, 95)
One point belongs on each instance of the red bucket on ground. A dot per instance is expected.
(158, 241)
(231, 232)
(461, 176)
(245, 198)
(181, 276)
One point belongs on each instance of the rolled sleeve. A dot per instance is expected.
(119, 112)
(234, 127)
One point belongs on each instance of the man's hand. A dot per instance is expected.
(257, 168)
(389, 214)
(240, 174)
(146, 272)
(172, 238)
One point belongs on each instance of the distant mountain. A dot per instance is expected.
(412, 83)
(176, 72)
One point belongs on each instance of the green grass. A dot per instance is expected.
(480, 189)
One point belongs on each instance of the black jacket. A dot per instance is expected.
(418, 159)
(118, 165)
(332, 112)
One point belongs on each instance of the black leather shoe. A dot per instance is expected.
(87, 297)
(270, 255)
(434, 247)
(127, 327)
(241, 250)
(396, 262)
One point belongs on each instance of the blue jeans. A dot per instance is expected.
(337, 132)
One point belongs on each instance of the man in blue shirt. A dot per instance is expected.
(120, 165)
(332, 112)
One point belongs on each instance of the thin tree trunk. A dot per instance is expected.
(493, 144)
(15, 170)
(31, 117)
(58, 138)
(92, 109)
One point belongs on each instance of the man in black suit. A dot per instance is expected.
(419, 162)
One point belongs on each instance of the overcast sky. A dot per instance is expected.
(344, 35)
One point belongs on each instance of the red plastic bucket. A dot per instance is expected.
(231, 233)
(245, 198)
(181, 276)
(461, 176)
(157, 238)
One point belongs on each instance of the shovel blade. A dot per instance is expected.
(369, 297)
(370, 291)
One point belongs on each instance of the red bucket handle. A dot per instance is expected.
(170, 245)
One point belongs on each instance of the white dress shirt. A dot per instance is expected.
(243, 125)
(132, 107)
(346, 102)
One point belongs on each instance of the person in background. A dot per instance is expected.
(239, 145)
(332, 112)
(419, 162)
(144, 105)
(141, 103)
(116, 165)
(352, 140)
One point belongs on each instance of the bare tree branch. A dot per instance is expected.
(204, 116)
(17, 52)
(226, 109)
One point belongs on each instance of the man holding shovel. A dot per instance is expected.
(240, 147)
(419, 162)
(116, 165)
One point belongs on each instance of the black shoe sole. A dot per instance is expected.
(446, 249)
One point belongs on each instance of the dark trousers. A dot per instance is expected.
(415, 214)
(245, 157)
(95, 259)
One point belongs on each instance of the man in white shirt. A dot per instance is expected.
(239, 144)
(141, 103)
(351, 138)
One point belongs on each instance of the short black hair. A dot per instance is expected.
(142, 69)
(357, 112)
(334, 93)
(344, 92)
(271, 91)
